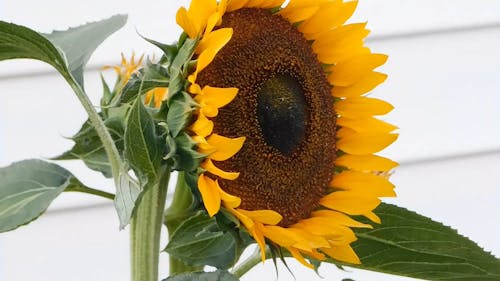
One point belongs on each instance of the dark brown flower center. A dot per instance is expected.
(281, 111)
(283, 107)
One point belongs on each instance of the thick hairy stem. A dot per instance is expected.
(175, 215)
(145, 231)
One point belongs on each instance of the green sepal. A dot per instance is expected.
(107, 96)
(184, 55)
(88, 146)
(178, 68)
(219, 275)
(27, 188)
(200, 241)
(185, 158)
(179, 113)
(169, 51)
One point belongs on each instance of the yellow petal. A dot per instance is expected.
(160, 94)
(309, 241)
(340, 218)
(363, 86)
(215, 40)
(225, 147)
(203, 145)
(342, 43)
(199, 12)
(328, 16)
(366, 163)
(342, 53)
(264, 4)
(202, 126)
(233, 5)
(216, 97)
(185, 23)
(342, 253)
(363, 143)
(298, 256)
(279, 235)
(247, 222)
(148, 98)
(209, 194)
(209, 50)
(341, 35)
(366, 124)
(352, 203)
(258, 235)
(268, 217)
(210, 167)
(230, 201)
(294, 15)
(204, 59)
(373, 217)
(348, 72)
(194, 89)
(363, 182)
(362, 107)
(212, 21)
(323, 226)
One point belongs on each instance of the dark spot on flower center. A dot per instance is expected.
(285, 110)
(281, 113)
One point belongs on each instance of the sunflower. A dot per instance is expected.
(289, 136)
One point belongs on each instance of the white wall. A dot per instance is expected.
(444, 81)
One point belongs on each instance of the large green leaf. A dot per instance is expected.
(27, 188)
(79, 43)
(219, 275)
(68, 51)
(409, 244)
(17, 41)
(199, 241)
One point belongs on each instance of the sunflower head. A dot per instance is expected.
(287, 136)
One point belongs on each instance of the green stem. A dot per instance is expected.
(103, 133)
(248, 263)
(175, 215)
(145, 230)
(92, 191)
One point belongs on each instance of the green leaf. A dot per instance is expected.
(67, 51)
(219, 275)
(88, 146)
(199, 241)
(127, 194)
(143, 150)
(409, 244)
(79, 43)
(27, 188)
(17, 41)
